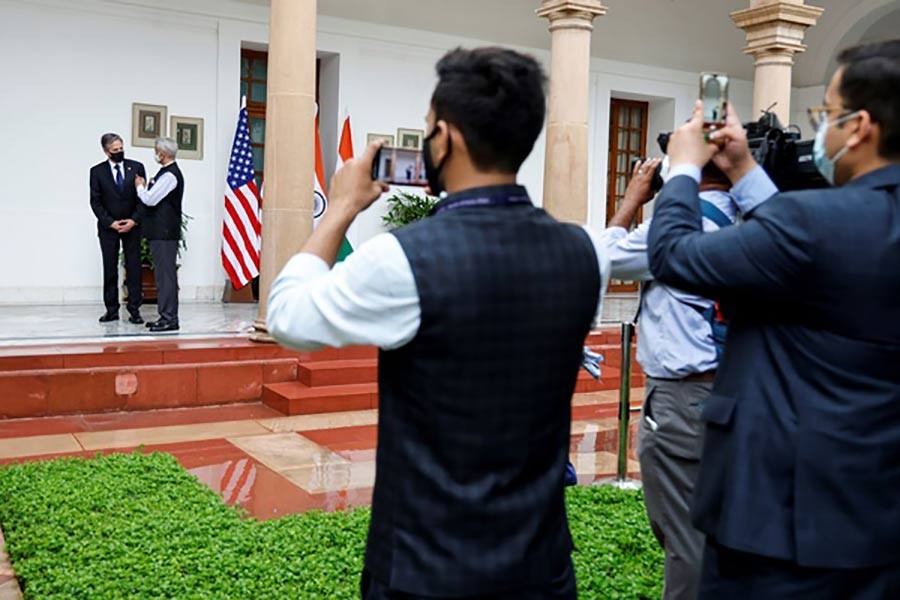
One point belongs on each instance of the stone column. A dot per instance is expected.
(290, 162)
(566, 161)
(775, 30)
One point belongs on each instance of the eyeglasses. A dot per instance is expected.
(819, 114)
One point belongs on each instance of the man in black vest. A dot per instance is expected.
(480, 311)
(115, 203)
(163, 230)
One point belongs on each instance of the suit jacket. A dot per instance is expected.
(107, 202)
(802, 453)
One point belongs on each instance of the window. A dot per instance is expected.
(254, 82)
(627, 142)
(254, 76)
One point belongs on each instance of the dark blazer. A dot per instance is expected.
(802, 453)
(107, 202)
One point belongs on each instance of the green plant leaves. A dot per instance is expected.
(140, 526)
(405, 208)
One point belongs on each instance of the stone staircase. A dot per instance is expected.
(64, 379)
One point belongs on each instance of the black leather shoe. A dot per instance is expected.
(162, 327)
(136, 318)
(150, 324)
(109, 316)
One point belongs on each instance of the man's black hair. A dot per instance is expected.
(496, 98)
(107, 139)
(870, 81)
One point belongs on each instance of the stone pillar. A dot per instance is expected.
(290, 161)
(566, 161)
(775, 30)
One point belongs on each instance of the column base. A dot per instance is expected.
(261, 334)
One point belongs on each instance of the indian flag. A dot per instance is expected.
(320, 200)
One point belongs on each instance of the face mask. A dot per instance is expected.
(117, 157)
(820, 154)
(665, 168)
(158, 158)
(432, 171)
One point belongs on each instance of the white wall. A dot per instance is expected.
(93, 58)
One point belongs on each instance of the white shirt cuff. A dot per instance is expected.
(692, 171)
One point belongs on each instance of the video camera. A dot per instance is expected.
(786, 158)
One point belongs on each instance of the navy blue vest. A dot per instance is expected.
(474, 413)
(163, 221)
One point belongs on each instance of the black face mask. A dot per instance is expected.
(117, 157)
(432, 171)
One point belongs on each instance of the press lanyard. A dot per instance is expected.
(500, 199)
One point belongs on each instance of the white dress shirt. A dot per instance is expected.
(161, 188)
(676, 340)
(112, 168)
(368, 299)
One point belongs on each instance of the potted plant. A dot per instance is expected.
(148, 279)
(405, 208)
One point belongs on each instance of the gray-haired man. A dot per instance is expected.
(162, 229)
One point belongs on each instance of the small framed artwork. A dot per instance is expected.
(387, 138)
(148, 122)
(410, 139)
(188, 134)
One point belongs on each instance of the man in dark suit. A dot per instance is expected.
(118, 210)
(481, 311)
(799, 484)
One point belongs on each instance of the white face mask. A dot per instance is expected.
(158, 158)
(665, 167)
(820, 154)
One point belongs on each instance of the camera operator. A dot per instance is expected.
(678, 350)
(799, 483)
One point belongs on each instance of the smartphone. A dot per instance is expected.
(400, 166)
(714, 95)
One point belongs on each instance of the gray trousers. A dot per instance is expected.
(670, 440)
(165, 254)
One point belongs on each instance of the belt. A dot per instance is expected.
(707, 377)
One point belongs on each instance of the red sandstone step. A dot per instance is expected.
(40, 393)
(338, 372)
(295, 398)
(136, 353)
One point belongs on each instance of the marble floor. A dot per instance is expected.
(36, 324)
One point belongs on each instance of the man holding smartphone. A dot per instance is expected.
(799, 483)
(481, 311)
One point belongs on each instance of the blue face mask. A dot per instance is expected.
(820, 154)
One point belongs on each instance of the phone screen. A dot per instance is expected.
(714, 94)
(399, 166)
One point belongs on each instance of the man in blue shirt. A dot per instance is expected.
(677, 353)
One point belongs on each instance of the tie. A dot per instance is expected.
(119, 181)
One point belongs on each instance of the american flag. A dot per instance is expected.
(241, 229)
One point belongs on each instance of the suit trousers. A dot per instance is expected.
(562, 587)
(165, 269)
(110, 241)
(670, 441)
(732, 575)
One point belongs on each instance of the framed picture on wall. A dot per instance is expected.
(410, 139)
(387, 138)
(148, 122)
(188, 134)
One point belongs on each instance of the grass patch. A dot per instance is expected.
(140, 526)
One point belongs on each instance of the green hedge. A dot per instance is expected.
(140, 526)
